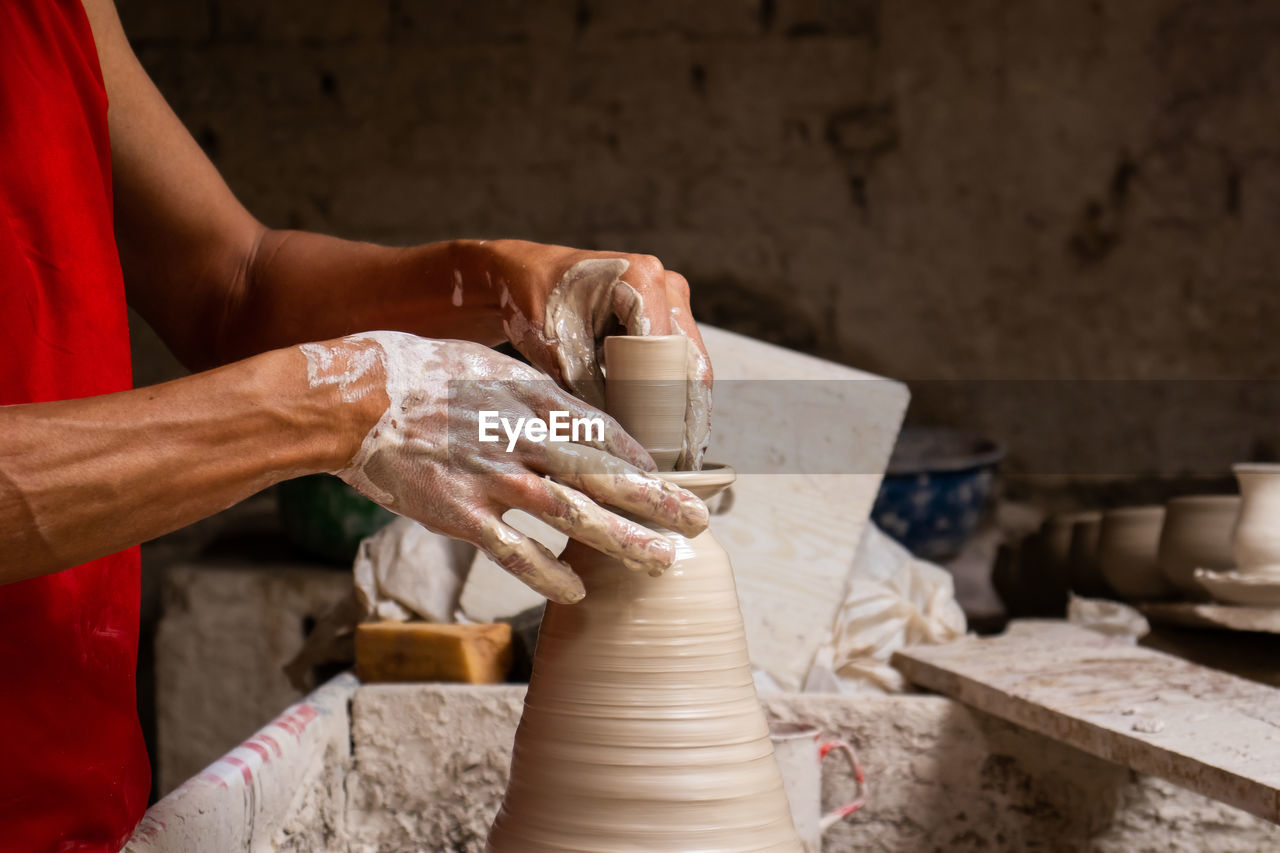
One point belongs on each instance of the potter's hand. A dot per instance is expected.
(423, 458)
(558, 305)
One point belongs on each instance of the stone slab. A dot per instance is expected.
(796, 517)
(1214, 733)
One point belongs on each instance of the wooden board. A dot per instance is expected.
(423, 651)
(1222, 616)
(1213, 733)
(798, 514)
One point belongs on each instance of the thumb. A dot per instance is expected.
(582, 308)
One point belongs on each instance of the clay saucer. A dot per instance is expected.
(1255, 589)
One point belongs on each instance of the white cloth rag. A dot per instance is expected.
(894, 600)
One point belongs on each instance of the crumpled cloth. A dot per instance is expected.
(1107, 617)
(405, 571)
(894, 600)
(402, 572)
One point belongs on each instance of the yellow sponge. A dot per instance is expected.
(424, 651)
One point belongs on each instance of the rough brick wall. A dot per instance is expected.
(926, 189)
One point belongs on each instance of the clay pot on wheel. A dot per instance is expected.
(1128, 543)
(645, 391)
(1196, 535)
(641, 729)
(1256, 543)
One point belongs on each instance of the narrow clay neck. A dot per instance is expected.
(713, 479)
(1252, 474)
(645, 391)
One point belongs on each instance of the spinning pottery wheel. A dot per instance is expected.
(641, 728)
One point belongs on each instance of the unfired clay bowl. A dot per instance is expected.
(1054, 547)
(1128, 543)
(1196, 535)
(1085, 576)
(1056, 533)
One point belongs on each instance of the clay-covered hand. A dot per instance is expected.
(558, 304)
(424, 457)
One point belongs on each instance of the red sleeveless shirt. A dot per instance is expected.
(73, 767)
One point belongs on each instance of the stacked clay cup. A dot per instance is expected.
(1082, 556)
(1128, 544)
(1197, 535)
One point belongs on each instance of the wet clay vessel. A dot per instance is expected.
(641, 728)
(1196, 535)
(645, 391)
(1127, 548)
(1085, 576)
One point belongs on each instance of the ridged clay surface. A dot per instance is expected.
(642, 730)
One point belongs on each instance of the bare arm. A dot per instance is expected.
(84, 478)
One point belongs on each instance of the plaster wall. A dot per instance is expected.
(931, 189)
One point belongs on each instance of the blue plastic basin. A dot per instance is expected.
(935, 489)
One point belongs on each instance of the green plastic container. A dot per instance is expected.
(326, 519)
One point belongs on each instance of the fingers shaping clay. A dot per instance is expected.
(641, 729)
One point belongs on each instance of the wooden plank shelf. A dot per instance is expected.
(1213, 733)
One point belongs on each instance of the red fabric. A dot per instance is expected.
(73, 767)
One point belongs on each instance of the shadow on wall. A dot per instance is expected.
(768, 316)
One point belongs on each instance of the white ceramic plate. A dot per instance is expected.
(1254, 590)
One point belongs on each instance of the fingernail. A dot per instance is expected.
(568, 591)
(659, 554)
(694, 516)
(568, 596)
(664, 550)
